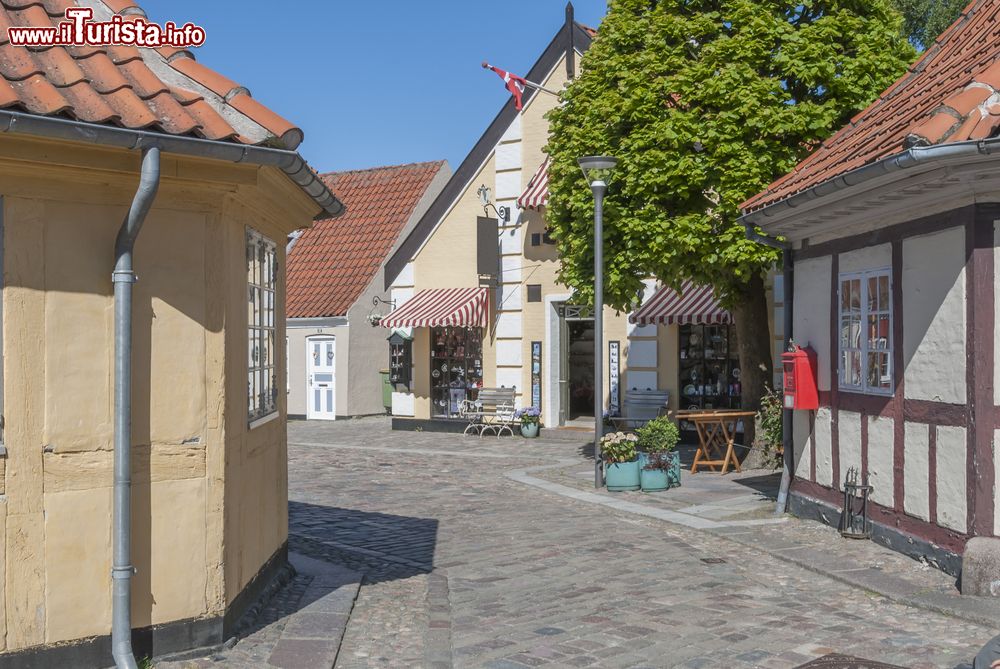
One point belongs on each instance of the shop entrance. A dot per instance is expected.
(576, 374)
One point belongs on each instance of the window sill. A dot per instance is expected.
(866, 393)
(256, 422)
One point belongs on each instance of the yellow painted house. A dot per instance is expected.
(145, 203)
(477, 296)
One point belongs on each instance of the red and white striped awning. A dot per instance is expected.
(536, 195)
(693, 305)
(439, 307)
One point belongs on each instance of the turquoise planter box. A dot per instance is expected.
(619, 476)
(653, 480)
(529, 431)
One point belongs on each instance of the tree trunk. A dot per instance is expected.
(754, 344)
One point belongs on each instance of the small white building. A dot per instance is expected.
(893, 226)
(334, 276)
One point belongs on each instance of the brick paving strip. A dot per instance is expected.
(301, 627)
(806, 544)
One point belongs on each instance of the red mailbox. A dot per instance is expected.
(801, 389)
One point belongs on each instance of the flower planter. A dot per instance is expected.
(529, 430)
(620, 476)
(653, 480)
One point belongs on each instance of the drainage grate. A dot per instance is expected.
(713, 560)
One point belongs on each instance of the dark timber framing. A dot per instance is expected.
(979, 416)
(570, 36)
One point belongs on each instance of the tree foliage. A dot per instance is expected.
(704, 103)
(924, 20)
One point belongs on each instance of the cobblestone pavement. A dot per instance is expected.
(466, 567)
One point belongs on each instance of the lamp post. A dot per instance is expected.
(597, 172)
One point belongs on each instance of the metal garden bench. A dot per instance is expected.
(492, 410)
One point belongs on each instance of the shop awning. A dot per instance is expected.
(693, 305)
(536, 195)
(439, 307)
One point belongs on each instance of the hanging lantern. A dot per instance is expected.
(854, 523)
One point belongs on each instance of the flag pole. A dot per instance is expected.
(532, 84)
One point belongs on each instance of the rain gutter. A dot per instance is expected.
(289, 162)
(913, 157)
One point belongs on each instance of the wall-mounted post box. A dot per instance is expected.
(801, 388)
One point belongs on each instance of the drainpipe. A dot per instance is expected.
(788, 286)
(123, 277)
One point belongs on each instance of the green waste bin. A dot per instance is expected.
(386, 390)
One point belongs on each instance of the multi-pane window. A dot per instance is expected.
(865, 300)
(262, 273)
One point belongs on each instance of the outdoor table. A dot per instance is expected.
(716, 435)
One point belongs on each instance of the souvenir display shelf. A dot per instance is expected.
(456, 369)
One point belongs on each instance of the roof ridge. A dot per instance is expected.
(376, 168)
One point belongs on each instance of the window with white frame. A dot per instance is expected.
(866, 345)
(262, 273)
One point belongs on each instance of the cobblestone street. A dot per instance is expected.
(466, 567)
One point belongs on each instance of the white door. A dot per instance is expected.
(321, 366)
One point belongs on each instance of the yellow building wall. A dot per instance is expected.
(209, 495)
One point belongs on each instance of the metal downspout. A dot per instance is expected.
(123, 277)
(787, 437)
(788, 287)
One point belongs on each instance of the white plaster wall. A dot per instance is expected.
(508, 377)
(400, 295)
(640, 380)
(951, 494)
(510, 269)
(812, 311)
(513, 132)
(509, 183)
(510, 243)
(509, 298)
(509, 326)
(508, 156)
(824, 446)
(800, 438)
(509, 352)
(405, 277)
(402, 404)
(849, 440)
(880, 459)
(861, 260)
(916, 449)
(934, 316)
(642, 353)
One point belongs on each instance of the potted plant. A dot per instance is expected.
(659, 463)
(621, 464)
(530, 417)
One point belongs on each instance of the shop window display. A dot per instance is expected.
(456, 369)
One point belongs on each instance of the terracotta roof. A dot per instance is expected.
(163, 89)
(332, 262)
(951, 94)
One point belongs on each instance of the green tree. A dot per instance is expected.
(704, 103)
(924, 20)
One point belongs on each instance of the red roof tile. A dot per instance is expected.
(120, 85)
(949, 95)
(332, 262)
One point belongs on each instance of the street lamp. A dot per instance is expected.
(597, 171)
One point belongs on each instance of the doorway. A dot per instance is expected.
(321, 380)
(578, 371)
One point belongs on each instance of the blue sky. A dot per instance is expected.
(376, 82)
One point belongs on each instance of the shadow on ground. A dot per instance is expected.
(382, 546)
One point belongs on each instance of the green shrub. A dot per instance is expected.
(618, 447)
(659, 435)
(770, 434)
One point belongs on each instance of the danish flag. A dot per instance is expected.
(515, 84)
